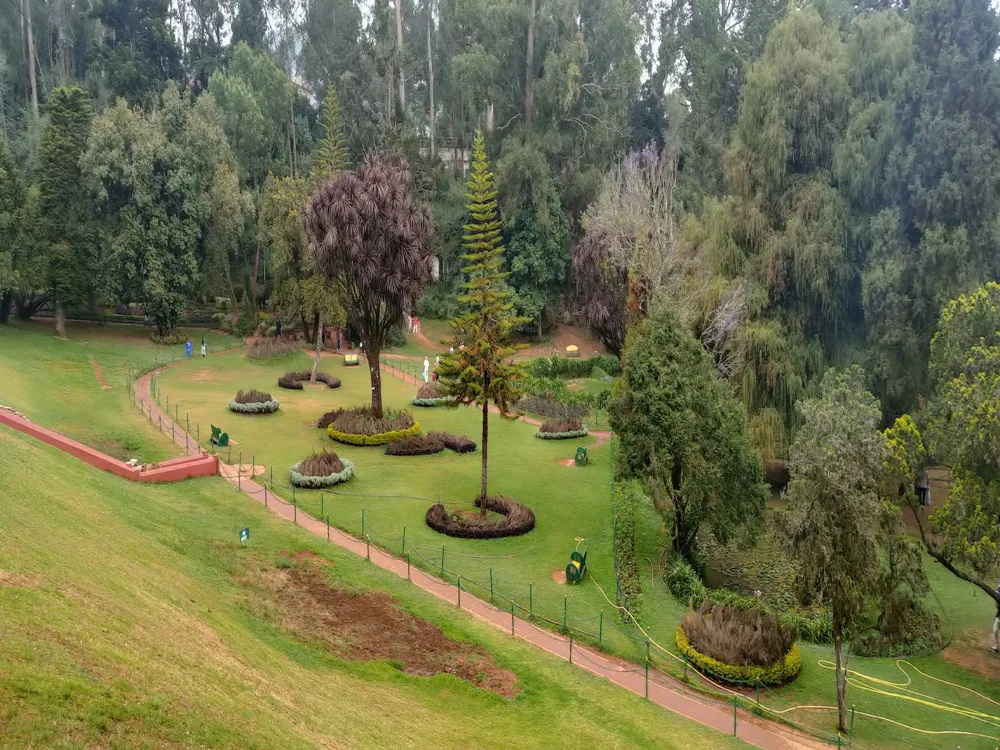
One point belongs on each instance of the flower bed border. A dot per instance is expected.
(561, 435)
(751, 675)
(380, 438)
(313, 482)
(428, 402)
(438, 519)
(253, 407)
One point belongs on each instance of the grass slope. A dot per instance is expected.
(123, 624)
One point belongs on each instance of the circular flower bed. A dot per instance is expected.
(253, 402)
(516, 519)
(358, 426)
(418, 445)
(741, 647)
(323, 469)
(561, 429)
(428, 396)
(293, 380)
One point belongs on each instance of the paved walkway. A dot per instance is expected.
(663, 691)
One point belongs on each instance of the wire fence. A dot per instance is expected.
(612, 630)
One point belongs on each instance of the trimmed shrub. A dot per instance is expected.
(626, 499)
(358, 427)
(517, 519)
(775, 674)
(457, 443)
(293, 380)
(428, 396)
(302, 475)
(418, 445)
(253, 402)
(561, 429)
(169, 339)
(272, 348)
(744, 637)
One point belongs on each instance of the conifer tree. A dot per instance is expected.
(481, 371)
(331, 153)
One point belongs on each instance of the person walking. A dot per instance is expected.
(187, 348)
(996, 625)
(437, 364)
(427, 369)
(204, 347)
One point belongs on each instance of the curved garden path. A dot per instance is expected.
(663, 690)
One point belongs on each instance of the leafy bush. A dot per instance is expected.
(517, 519)
(561, 429)
(428, 390)
(272, 348)
(253, 402)
(440, 301)
(418, 445)
(566, 367)
(775, 674)
(293, 380)
(626, 499)
(358, 427)
(457, 443)
(315, 482)
(547, 406)
(169, 339)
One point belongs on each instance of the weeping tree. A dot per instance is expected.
(483, 371)
(369, 237)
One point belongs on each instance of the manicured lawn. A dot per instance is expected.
(54, 382)
(128, 620)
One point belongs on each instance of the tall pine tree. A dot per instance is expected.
(331, 153)
(482, 370)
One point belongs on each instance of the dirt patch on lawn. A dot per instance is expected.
(99, 374)
(559, 338)
(566, 462)
(559, 576)
(15, 581)
(974, 653)
(204, 375)
(370, 626)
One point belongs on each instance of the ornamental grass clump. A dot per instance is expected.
(428, 395)
(358, 426)
(741, 637)
(321, 469)
(293, 380)
(321, 464)
(561, 429)
(457, 443)
(272, 348)
(253, 402)
(418, 445)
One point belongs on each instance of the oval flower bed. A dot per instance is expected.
(358, 427)
(516, 519)
(561, 429)
(428, 396)
(418, 445)
(323, 469)
(293, 380)
(253, 402)
(741, 647)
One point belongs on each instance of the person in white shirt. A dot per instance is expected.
(427, 369)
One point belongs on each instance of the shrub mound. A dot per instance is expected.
(358, 427)
(457, 443)
(561, 429)
(271, 348)
(551, 407)
(169, 339)
(516, 519)
(253, 402)
(293, 380)
(742, 647)
(418, 445)
(321, 469)
(428, 396)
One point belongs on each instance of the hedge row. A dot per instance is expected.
(315, 483)
(751, 675)
(561, 435)
(518, 519)
(566, 367)
(431, 401)
(626, 499)
(814, 624)
(380, 438)
(254, 407)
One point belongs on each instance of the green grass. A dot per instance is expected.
(569, 503)
(128, 626)
(52, 381)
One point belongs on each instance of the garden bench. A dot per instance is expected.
(350, 360)
(219, 437)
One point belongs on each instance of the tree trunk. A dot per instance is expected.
(295, 149)
(26, 10)
(486, 437)
(430, 76)
(838, 642)
(253, 285)
(529, 60)
(376, 378)
(60, 320)
(399, 53)
(318, 323)
(5, 300)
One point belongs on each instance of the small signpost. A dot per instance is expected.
(245, 535)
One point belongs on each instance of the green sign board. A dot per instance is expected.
(245, 534)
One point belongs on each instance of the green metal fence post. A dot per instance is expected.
(159, 422)
(239, 481)
(685, 666)
(272, 477)
(229, 459)
(197, 435)
(647, 650)
(839, 742)
(171, 432)
(403, 551)
(736, 706)
(758, 693)
(458, 587)
(322, 505)
(408, 566)
(241, 457)
(168, 402)
(600, 631)
(512, 617)
(187, 422)
(176, 411)
(565, 607)
(647, 679)
(295, 507)
(570, 648)
(491, 584)
(442, 561)
(531, 602)
(362, 522)
(368, 548)
(265, 495)
(851, 735)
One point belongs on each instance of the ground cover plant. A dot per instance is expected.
(358, 426)
(561, 429)
(500, 517)
(321, 469)
(417, 445)
(293, 380)
(253, 402)
(272, 348)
